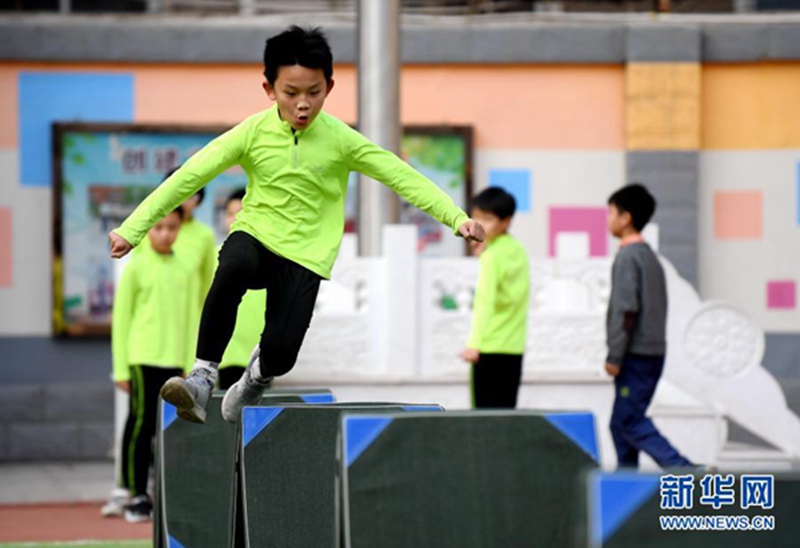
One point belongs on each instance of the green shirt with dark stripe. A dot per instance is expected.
(500, 309)
(297, 181)
(155, 303)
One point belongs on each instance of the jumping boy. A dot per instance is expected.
(286, 238)
(636, 329)
(500, 314)
(154, 305)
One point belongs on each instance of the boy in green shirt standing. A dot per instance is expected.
(500, 311)
(297, 159)
(197, 241)
(154, 305)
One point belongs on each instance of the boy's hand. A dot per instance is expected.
(119, 245)
(125, 386)
(471, 230)
(470, 355)
(613, 369)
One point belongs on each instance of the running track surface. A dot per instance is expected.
(65, 522)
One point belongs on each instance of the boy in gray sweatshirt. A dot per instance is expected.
(636, 330)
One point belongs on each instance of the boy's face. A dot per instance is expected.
(231, 209)
(164, 233)
(300, 93)
(618, 222)
(493, 225)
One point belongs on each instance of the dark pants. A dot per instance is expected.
(244, 263)
(137, 441)
(631, 429)
(229, 375)
(495, 381)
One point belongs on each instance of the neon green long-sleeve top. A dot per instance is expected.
(297, 181)
(197, 243)
(154, 305)
(500, 309)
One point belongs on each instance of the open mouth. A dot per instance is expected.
(303, 118)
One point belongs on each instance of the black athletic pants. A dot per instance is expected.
(495, 381)
(244, 263)
(137, 441)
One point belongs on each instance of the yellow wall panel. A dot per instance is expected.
(751, 106)
(663, 106)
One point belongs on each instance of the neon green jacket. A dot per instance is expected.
(297, 181)
(500, 309)
(154, 305)
(197, 242)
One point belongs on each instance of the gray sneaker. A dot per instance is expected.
(190, 395)
(246, 391)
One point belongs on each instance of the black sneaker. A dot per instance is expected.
(140, 509)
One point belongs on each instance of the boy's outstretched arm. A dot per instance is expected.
(217, 156)
(368, 158)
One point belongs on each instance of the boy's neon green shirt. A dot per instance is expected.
(154, 305)
(197, 242)
(297, 181)
(249, 326)
(500, 309)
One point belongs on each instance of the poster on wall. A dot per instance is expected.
(444, 155)
(103, 171)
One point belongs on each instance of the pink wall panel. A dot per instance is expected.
(8, 107)
(738, 214)
(215, 94)
(781, 295)
(520, 106)
(592, 220)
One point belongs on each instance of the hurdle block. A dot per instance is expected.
(195, 471)
(288, 470)
(475, 479)
(624, 510)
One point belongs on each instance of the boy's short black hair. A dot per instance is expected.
(495, 200)
(636, 200)
(306, 47)
(178, 210)
(200, 193)
(237, 194)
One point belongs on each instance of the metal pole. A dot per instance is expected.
(64, 6)
(378, 111)
(247, 7)
(155, 6)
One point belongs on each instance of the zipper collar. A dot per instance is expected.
(287, 128)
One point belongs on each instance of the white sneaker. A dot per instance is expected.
(117, 503)
(191, 395)
(246, 391)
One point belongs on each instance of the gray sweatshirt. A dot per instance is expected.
(637, 311)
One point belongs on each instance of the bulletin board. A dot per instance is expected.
(103, 171)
